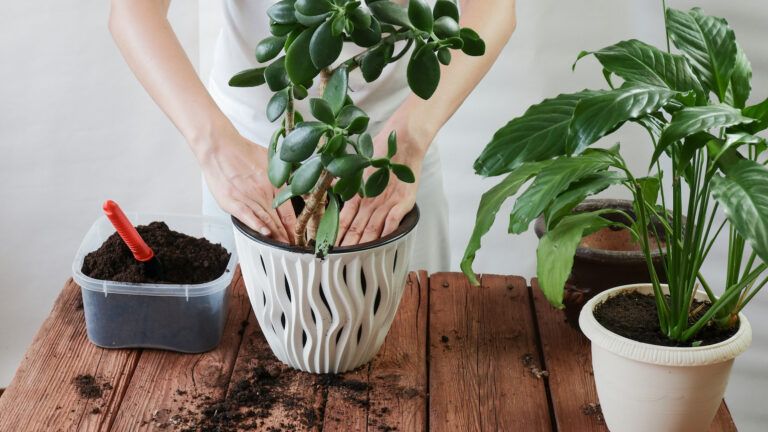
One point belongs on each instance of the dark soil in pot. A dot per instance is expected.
(185, 259)
(633, 316)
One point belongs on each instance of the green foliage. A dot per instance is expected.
(715, 157)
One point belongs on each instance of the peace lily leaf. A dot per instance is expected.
(275, 75)
(347, 187)
(424, 72)
(269, 48)
(348, 165)
(490, 203)
(636, 61)
(738, 139)
(277, 104)
(473, 45)
(539, 134)
(377, 182)
(420, 15)
(390, 13)
(248, 78)
(282, 12)
(374, 62)
(743, 193)
(740, 86)
(554, 256)
(758, 112)
(302, 141)
(313, 7)
(578, 191)
(691, 120)
(305, 177)
(403, 173)
(445, 8)
(708, 44)
(391, 144)
(336, 90)
(322, 111)
(551, 182)
(596, 116)
(328, 228)
(324, 47)
(298, 62)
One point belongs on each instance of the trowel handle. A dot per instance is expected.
(127, 232)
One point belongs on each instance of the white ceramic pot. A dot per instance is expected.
(326, 315)
(644, 387)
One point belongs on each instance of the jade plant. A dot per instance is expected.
(323, 161)
(693, 104)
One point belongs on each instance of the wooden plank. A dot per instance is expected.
(481, 345)
(396, 379)
(568, 359)
(167, 386)
(42, 395)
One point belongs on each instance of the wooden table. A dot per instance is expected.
(457, 358)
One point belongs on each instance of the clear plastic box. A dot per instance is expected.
(185, 318)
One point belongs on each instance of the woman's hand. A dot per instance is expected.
(235, 170)
(367, 219)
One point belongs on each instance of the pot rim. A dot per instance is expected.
(407, 225)
(657, 354)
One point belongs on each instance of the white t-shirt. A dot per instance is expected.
(245, 24)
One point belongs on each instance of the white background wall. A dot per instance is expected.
(76, 128)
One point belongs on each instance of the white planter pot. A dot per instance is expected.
(326, 315)
(644, 387)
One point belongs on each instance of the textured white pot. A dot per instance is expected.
(326, 315)
(644, 387)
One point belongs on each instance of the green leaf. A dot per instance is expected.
(305, 177)
(278, 170)
(336, 90)
(554, 256)
(310, 20)
(347, 187)
(299, 92)
(577, 192)
(446, 8)
(691, 120)
(277, 105)
(377, 182)
(360, 18)
(597, 116)
(708, 44)
(322, 111)
(490, 203)
(281, 29)
(743, 193)
(380, 162)
(248, 78)
(367, 36)
(282, 12)
(551, 182)
(275, 75)
(424, 72)
(324, 47)
(758, 112)
(337, 25)
(365, 145)
(269, 48)
(298, 62)
(420, 15)
(473, 44)
(281, 197)
(444, 56)
(328, 228)
(374, 62)
(335, 144)
(738, 139)
(353, 119)
(740, 86)
(404, 173)
(302, 141)
(348, 165)
(446, 27)
(390, 13)
(391, 144)
(539, 134)
(313, 7)
(636, 61)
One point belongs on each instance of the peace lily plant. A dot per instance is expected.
(329, 311)
(693, 104)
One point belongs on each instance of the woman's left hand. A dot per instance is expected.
(367, 219)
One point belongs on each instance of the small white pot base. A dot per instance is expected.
(645, 387)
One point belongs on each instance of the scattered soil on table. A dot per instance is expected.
(615, 240)
(529, 362)
(88, 387)
(185, 259)
(633, 315)
(593, 410)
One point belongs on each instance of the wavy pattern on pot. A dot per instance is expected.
(339, 318)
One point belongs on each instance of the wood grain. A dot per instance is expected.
(478, 338)
(568, 359)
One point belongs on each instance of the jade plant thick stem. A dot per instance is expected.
(694, 106)
(323, 160)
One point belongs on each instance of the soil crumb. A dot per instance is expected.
(185, 259)
(444, 339)
(87, 387)
(593, 410)
(529, 363)
(615, 240)
(633, 315)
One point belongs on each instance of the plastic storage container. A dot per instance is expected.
(186, 318)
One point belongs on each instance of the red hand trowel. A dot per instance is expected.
(141, 251)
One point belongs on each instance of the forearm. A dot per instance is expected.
(150, 47)
(420, 120)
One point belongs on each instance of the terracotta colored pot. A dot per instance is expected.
(605, 259)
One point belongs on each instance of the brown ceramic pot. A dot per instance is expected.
(604, 260)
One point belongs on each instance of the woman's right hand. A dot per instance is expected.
(235, 170)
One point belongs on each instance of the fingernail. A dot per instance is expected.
(264, 231)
